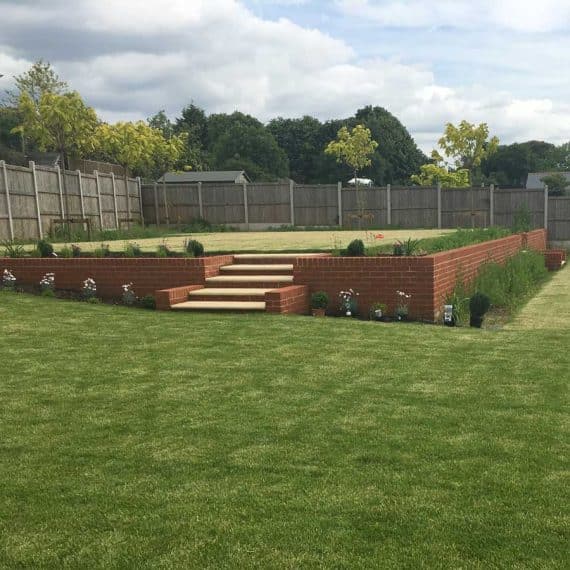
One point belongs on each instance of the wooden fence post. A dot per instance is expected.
(156, 210)
(389, 204)
(60, 190)
(546, 206)
(200, 201)
(139, 186)
(492, 205)
(245, 206)
(439, 205)
(81, 204)
(8, 203)
(128, 200)
(166, 216)
(99, 199)
(339, 199)
(292, 201)
(115, 201)
(36, 194)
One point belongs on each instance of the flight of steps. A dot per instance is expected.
(242, 285)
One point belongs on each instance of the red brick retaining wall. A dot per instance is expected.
(428, 279)
(147, 274)
(293, 299)
(555, 258)
(165, 298)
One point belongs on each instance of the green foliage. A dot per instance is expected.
(47, 293)
(459, 298)
(148, 302)
(13, 248)
(194, 248)
(557, 184)
(164, 251)
(133, 250)
(432, 174)
(378, 307)
(479, 304)
(408, 248)
(93, 300)
(319, 300)
(45, 248)
(522, 219)
(353, 148)
(507, 286)
(102, 251)
(355, 249)
(40, 79)
(76, 250)
(65, 252)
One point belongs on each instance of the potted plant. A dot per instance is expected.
(348, 302)
(378, 311)
(319, 303)
(479, 304)
(402, 309)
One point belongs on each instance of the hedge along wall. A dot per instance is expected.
(428, 278)
(148, 275)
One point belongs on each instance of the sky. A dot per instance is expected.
(429, 62)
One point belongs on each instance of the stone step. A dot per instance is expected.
(272, 258)
(250, 281)
(265, 269)
(220, 306)
(228, 294)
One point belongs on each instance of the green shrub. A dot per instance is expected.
(93, 300)
(355, 249)
(133, 250)
(13, 249)
(45, 249)
(319, 300)
(66, 252)
(522, 220)
(76, 250)
(194, 248)
(479, 304)
(102, 251)
(47, 293)
(163, 251)
(459, 298)
(148, 302)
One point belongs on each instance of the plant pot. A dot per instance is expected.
(402, 317)
(476, 321)
(378, 315)
(318, 312)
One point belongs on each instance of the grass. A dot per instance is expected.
(301, 241)
(133, 439)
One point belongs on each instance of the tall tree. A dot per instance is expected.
(41, 78)
(466, 145)
(432, 174)
(557, 183)
(162, 123)
(194, 123)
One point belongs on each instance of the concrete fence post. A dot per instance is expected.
(292, 201)
(98, 186)
(116, 210)
(8, 202)
(156, 209)
(166, 215)
(492, 205)
(200, 201)
(546, 206)
(81, 203)
(128, 200)
(60, 190)
(36, 194)
(245, 206)
(139, 187)
(439, 221)
(339, 197)
(389, 204)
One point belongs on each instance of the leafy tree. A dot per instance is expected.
(139, 148)
(558, 158)
(162, 123)
(194, 123)
(431, 174)
(557, 184)
(355, 149)
(41, 78)
(466, 145)
(10, 141)
(61, 123)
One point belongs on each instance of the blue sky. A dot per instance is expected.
(504, 62)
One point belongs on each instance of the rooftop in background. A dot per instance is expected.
(206, 177)
(534, 182)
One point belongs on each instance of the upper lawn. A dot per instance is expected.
(233, 242)
(133, 439)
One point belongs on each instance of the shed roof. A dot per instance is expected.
(534, 180)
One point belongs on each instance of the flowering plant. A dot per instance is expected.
(47, 282)
(89, 289)
(348, 303)
(402, 306)
(129, 296)
(8, 279)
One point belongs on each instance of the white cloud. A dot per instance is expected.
(223, 57)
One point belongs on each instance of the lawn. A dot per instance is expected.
(269, 241)
(134, 439)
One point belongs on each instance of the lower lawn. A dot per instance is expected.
(133, 439)
(233, 242)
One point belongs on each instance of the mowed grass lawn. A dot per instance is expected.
(269, 241)
(134, 439)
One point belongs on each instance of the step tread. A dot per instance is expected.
(230, 292)
(278, 255)
(220, 305)
(251, 279)
(259, 267)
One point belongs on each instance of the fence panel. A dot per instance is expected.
(269, 204)
(466, 207)
(508, 202)
(316, 205)
(224, 204)
(373, 202)
(414, 207)
(559, 218)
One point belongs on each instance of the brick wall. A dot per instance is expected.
(147, 274)
(428, 279)
(287, 300)
(555, 259)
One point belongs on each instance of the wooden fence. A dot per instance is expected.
(33, 200)
(257, 206)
